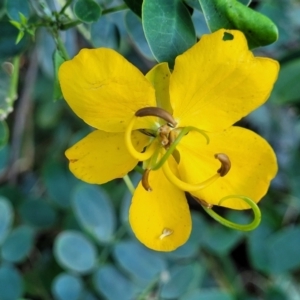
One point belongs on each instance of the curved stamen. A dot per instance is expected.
(145, 181)
(227, 223)
(137, 155)
(184, 185)
(156, 112)
(175, 142)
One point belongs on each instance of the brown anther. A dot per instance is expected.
(145, 181)
(156, 112)
(164, 132)
(203, 202)
(225, 163)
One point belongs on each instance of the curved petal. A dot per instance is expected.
(159, 76)
(161, 218)
(104, 89)
(101, 156)
(217, 82)
(253, 165)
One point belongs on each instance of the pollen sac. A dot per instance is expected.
(225, 163)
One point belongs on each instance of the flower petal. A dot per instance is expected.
(217, 82)
(104, 89)
(159, 76)
(164, 210)
(101, 156)
(253, 165)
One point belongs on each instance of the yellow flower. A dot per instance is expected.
(179, 124)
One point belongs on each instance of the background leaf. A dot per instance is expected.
(168, 29)
(75, 252)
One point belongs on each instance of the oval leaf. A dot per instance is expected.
(75, 252)
(95, 212)
(11, 283)
(87, 11)
(150, 264)
(67, 287)
(108, 281)
(18, 244)
(182, 279)
(168, 28)
(38, 213)
(6, 218)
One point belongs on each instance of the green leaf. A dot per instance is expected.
(11, 283)
(9, 74)
(6, 218)
(18, 244)
(87, 11)
(287, 89)
(135, 6)
(58, 184)
(67, 287)
(257, 247)
(221, 240)
(231, 14)
(111, 283)
(283, 250)
(150, 264)
(182, 279)
(57, 62)
(20, 36)
(94, 211)
(75, 252)
(196, 240)
(38, 213)
(135, 30)
(168, 28)
(16, 8)
(3, 134)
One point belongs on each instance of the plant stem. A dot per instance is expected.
(61, 47)
(114, 9)
(129, 184)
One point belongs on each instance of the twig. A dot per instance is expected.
(21, 117)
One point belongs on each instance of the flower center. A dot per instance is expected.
(163, 145)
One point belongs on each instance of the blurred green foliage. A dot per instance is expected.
(63, 239)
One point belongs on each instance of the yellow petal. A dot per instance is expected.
(101, 156)
(253, 165)
(159, 76)
(105, 90)
(217, 82)
(161, 218)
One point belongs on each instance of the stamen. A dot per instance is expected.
(145, 181)
(187, 186)
(227, 223)
(156, 112)
(174, 142)
(226, 164)
(166, 232)
(137, 155)
(164, 132)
